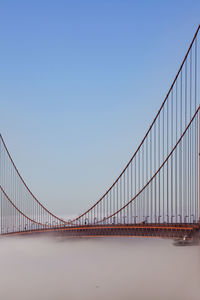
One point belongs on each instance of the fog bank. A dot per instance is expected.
(101, 268)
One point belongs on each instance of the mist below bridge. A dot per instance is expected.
(98, 268)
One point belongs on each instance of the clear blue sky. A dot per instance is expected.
(80, 82)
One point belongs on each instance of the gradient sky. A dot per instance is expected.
(80, 83)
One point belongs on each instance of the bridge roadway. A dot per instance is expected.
(170, 230)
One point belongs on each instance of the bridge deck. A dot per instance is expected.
(137, 230)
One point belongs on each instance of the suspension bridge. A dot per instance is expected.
(157, 193)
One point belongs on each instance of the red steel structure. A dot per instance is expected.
(156, 194)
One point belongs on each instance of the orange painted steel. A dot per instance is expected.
(155, 172)
(77, 218)
(149, 227)
(106, 218)
(17, 209)
(26, 184)
(159, 231)
(162, 105)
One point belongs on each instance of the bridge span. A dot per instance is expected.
(157, 194)
(189, 231)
